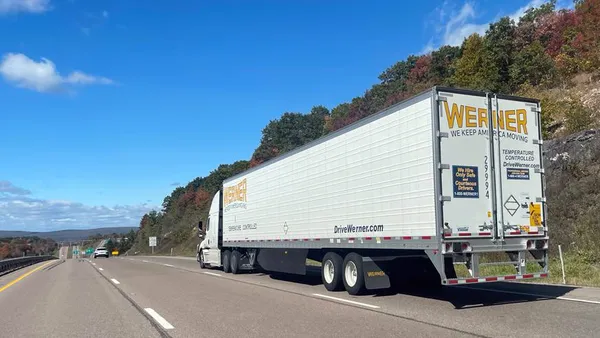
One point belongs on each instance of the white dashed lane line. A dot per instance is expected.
(100, 269)
(346, 301)
(115, 281)
(213, 274)
(159, 319)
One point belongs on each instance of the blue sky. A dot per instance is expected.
(105, 105)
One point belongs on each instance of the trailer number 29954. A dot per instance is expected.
(487, 175)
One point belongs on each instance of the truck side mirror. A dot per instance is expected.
(200, 231)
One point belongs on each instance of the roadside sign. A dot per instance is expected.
(75, 252)
(115, 253)
(152, 240)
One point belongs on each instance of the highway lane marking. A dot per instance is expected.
(537, 295)
(115, 281)
(163, 322)
(100, 269)
(346, 301)
(172, 266)
(94, 264)
(213, 274)
(145, 261)
(23, 276)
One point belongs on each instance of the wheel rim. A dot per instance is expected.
(328, 271)
(351, 274)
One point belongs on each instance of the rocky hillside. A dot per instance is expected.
(572, 166)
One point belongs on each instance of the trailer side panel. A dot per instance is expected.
(371, 184)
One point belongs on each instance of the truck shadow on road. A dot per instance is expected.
(481, 295)
(461, 297)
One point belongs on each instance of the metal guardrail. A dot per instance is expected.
(11, 264)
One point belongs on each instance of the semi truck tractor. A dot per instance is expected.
(448, 177)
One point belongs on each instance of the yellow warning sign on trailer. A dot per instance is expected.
(535, 214)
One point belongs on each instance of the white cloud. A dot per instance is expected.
(457, 25)
(27, 6)
(8, 188)
(21, 212)
(105, 14)
(427, 49)
(42, 76)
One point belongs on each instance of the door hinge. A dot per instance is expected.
(538, 171)
(538, 141)
(442, 166)
(441, 134)
(441, 98)
(540, 199)
(445, 198)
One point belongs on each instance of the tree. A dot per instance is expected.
(441, 64)
(527, 26)
(288, 132)
(475, 69)
(499, 45)
(588, 13)
(532, 66)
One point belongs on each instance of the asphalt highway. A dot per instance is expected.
(171, 296)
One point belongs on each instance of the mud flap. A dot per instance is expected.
(376, 273)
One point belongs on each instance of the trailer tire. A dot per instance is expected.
(331, 272)
(225, 261)
(235, 262)
(354, 280)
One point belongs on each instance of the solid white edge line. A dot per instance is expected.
(169, 265)
(346, 301)
(537, 295)
(163, 322)
(115, 281)
(212, 274)
(145, 261)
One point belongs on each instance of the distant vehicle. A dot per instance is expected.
(101, 252)
(410, 192)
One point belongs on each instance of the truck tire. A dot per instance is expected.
(354, 280)
(202, 264)
(226, 264)
(235, 262)
(331, 272)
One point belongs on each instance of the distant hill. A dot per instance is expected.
(68, 235)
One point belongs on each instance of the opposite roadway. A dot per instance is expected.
(170, 296)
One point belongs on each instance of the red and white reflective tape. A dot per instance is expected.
(489, 234)
(349, 239)
(457, 281)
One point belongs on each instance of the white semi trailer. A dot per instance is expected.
(409, 191)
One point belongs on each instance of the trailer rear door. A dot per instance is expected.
(466, 172)
(519, 163)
